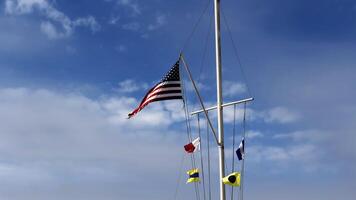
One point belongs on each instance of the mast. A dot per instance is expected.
(219, 99)
(219, 106)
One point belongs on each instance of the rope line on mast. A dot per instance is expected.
(227, 169)
(195, 26)
(179, 176)
(205, 49)
(208, 149)
(201, 158)
(187, 122)
(236, 53)
(186, 107)
(188, 127)
(233, 149)
(189, 130)
(243, 161)
(185, 103)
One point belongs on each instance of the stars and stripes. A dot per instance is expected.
(167, 89)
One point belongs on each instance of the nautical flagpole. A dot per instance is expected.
(219, 99)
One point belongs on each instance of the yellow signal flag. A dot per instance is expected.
(232, 179)
(193, 176)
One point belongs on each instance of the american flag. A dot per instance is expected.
(168, 88)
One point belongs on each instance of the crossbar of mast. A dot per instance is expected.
(223, 105)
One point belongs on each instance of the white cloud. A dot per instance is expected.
(175, 109)
(121, 48)
(145, 36)
(250, 115)
(160, 21)
(24, 6)
(189, 86)
(305, 156)
(133, 5)
(112, 111)
(113, 20)
(280, 115)
(254, 134)
(71, 50)
(51, 139)
(52, 16)
(51, 31)
(87, 22)
(305, 135)
(232, 89)
(130, 85)
(133, 26)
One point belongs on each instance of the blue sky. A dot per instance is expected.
(70, 71)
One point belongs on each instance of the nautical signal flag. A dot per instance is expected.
(232, 179)
(240, 152)
(168, 88)
(193, 146)
(193, 175)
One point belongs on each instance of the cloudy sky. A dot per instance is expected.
(70, 71)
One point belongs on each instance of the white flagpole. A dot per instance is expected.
(219, 99)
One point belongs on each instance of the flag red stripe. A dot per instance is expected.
(161, 96)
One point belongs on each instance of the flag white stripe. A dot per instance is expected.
(163, 96)
(167, 83)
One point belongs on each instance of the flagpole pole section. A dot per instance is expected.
(219, 100)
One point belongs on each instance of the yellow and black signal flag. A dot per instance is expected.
(193, 176)
(232, 179)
